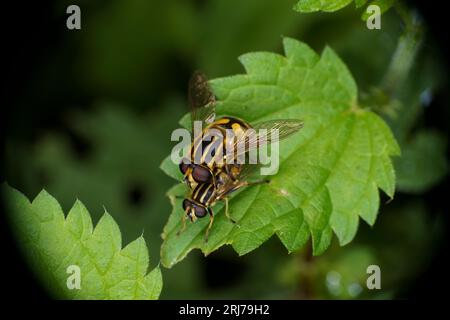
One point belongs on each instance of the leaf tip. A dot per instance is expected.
(6, 187)
(78, 204)
(245, 58)
(327, 50)
(105, 211)
(106, 216)
(43, 194)
(288, 40)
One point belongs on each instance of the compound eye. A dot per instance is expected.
(186, 204)
(200, 212)
(201, 174)
(183, 166)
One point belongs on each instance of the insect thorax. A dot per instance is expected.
(211, 151)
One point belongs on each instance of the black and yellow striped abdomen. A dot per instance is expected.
(204, 193)
(205, 149)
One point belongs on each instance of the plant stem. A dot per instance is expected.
(383, 98)
(407, 48)
(306, 281)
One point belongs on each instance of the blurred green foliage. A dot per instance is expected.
(130, 64)
(400, 252)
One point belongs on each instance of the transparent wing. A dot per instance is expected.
(276, 130)
(265, 132)
(250, 172)
(201, 99)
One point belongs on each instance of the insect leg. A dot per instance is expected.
(246, 183)
(211, 219)
(227, 213)
(183, 222)
(241, 184)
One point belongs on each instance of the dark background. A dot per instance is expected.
(59, 84)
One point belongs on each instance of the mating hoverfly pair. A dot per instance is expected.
(214, 178)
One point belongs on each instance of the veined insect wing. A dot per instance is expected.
(266, 132)
(201, 99)
(275, 130)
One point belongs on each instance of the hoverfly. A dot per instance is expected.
(211, 179)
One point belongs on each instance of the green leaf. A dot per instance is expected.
(335, 5)
(423, 162)
(329, 172)
(320, 5)
(53, 243)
